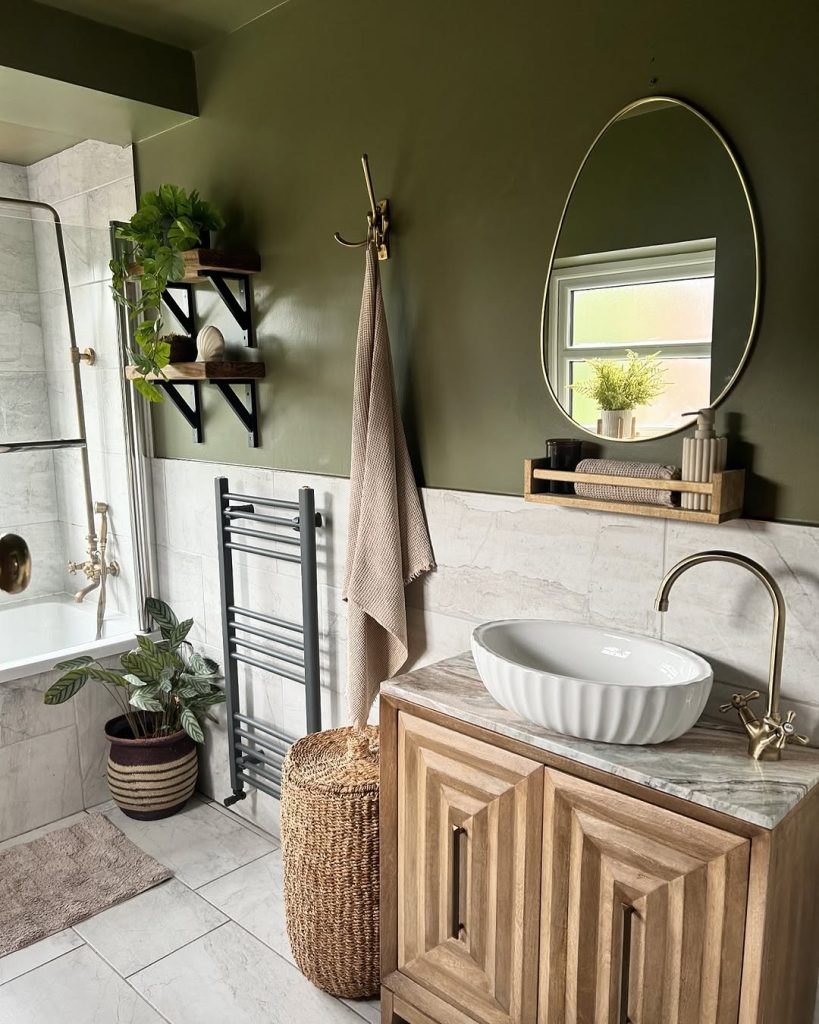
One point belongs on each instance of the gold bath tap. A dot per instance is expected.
(96, 568)
(768, 735)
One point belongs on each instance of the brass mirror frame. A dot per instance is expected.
(635, 105)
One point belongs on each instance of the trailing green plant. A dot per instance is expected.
(165, 686)
(167, 224)
(617, 384)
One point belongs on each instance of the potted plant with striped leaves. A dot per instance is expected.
(165, 690)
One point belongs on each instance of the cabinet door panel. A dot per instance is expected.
(468, 903)
(683, 886)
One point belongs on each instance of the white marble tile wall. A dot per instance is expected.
(497, 557)
(89, 185)
(29, 506)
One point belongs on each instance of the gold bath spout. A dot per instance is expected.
(95, 568)
(768, 735)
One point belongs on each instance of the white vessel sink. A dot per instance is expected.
(599, 684)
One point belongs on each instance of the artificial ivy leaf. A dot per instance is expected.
(147, 390)
(190, 723)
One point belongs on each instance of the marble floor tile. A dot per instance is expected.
(198, 844)
(35, 833)
(253, 897)
(78, 988)
(140, 931)
(24, 960)
(229, 975)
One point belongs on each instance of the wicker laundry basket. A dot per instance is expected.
(329, 834)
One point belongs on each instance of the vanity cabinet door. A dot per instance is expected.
(639, 905)
(469, 847)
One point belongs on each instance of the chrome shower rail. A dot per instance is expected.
(257, 748)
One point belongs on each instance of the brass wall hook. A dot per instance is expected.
(378, 219)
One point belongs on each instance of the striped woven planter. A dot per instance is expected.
(150, 778)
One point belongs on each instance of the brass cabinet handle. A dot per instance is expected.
(456, 926)
(625, 963)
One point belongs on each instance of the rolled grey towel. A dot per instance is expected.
(615, 467)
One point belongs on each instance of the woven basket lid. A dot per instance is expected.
(335, 761)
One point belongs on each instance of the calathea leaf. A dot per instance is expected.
(67, 666)
(178, 633)
(133, 680)
(65, 687)
(146, 643)
(199, 684)
(144, 664)
(162, 614)
(190, 723)
(105, 675)
(143, 701)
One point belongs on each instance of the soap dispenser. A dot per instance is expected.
(703, 455)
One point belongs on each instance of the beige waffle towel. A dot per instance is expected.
(387, 542)
(641, 495)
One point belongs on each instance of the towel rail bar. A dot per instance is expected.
(245, 759)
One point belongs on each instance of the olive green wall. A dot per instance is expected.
(475, 116)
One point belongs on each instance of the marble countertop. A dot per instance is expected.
(707, 766)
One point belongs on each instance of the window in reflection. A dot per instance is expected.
(655, 300)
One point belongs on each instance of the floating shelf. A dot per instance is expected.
(223, 376)
(726, 489)
(200, 263)
(240, 371)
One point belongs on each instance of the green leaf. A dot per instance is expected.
(146, 643)
(67, 666)
(190, 723)
(216, 696)
(105, 675)
(201, 667)
(162, 614)
(133, 680)
(143, 701)
(144, 664)
(199, 684)
(65, 687)
(148, 391)
(178, 633)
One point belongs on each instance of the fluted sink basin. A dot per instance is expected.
(599, 684)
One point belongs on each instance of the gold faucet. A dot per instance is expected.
(96, 568)
(768, 735)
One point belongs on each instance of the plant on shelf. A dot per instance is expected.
(167, 224)
(618, 387)
(164, 692)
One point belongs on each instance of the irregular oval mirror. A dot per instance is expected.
(653, 287)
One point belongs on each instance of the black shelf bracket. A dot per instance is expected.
(192, 413)
(239, 308)
(247, 414)
(187, 316)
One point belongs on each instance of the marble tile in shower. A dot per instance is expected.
(13, 181)
(91, 164)
(24, 411)
(724, 613)
(41, 781)
(18, 266)
(21, 335)
(33, 498)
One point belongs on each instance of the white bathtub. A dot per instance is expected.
(36, 634)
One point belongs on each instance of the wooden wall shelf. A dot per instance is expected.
(727, 490)
(200, 263)
(236, 371)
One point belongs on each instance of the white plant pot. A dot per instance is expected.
(616, 423)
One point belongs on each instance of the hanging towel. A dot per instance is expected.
(387, 542)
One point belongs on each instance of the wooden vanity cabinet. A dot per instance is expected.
(521, 888)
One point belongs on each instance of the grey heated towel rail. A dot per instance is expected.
(257, 748)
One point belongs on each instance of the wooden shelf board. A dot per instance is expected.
(631, 508)
(203, 371)
(686, 486)
(199, 261)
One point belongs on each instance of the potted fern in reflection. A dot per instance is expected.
(164, 691)
(618, 387)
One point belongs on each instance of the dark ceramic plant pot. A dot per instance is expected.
(183, 348)
(150, 778)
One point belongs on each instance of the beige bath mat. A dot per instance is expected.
(66, 876)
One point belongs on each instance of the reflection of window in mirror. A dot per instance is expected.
(652, 299)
